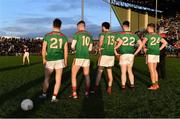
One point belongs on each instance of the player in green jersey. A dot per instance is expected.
(82, 43)
(126, 45)
(54, 55)
(153, 40)
(106, 48)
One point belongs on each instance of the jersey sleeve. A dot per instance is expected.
(91, 39)
(136, 38)
(118, 37)
(161, 38)
(45, 38)
(75, 37)
(146, 36)
(101, 34)
(65, 39)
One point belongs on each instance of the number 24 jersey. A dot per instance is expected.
(153, 43)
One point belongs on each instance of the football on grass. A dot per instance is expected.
(27, 104)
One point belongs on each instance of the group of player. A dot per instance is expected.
(119, 44)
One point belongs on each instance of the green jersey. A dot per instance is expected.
(153, 44)
(108, 43)
(129, 40)
(83, 41)
(55, 45)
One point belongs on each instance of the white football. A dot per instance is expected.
(27, 105)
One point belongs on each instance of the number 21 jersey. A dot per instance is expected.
(55, 45)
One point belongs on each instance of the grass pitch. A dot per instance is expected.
(19, 82)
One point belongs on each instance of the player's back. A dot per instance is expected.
(108, 43)
(55, 45)
(84, 39)
(129, 39)
(153, 43)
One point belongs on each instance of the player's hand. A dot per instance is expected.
(44, 62)
(145, 50)
(117, 56)
(100, 49)
(65, 63)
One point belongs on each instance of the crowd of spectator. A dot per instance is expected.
(168, 26)
(15, 46)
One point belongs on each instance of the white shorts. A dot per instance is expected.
(126, 59)
(82, 62)
(106, 61)
(26, 54)
(152, 59)
(58, 64)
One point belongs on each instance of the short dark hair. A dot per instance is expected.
(81, 22)
(126, 23)
(57, 23)
(152, 25)
(106, 25)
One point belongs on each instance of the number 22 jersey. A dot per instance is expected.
(129, 40)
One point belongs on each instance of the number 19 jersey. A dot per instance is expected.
(55, 45)
(129, 40)
(153, 44)
(108, 43)
(83, 40)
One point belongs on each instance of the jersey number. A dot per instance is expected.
(110, 40)
(86, 40)
(155, 41)
(55, 44)
(125, 43)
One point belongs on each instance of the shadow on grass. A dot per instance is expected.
(37, 102)
(138, 75)
(117, 78)
(93, 106)
(17, 67)
(19, 90)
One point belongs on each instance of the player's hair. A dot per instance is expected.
(81, 22)
(126, 23)
(106, 25)
(152, 25)
(57, 23)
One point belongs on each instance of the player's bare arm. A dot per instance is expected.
(44, 52)
(140, 45)
(73, 44)
(101, 43)
(119, 43)
(90, 47)
(143, 43)
(164, 43)
(66, 54)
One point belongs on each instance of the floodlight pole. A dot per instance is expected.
(156, 15)
(82, 10)
(110, 19)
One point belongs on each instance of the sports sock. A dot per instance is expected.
(74, 89)
(87, 89)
